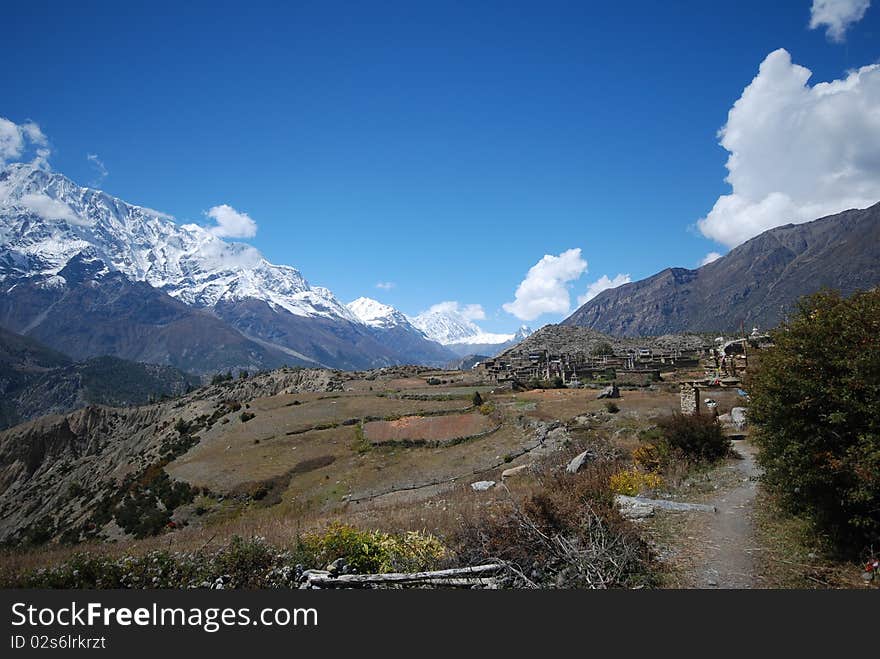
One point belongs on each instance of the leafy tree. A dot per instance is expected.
(601, 349)
(477, 399)
(816, 402)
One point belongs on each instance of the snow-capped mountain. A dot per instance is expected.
(250, 313)
(375, 314)
(462, 335)
(46, 219)
(449, 327)
(393, 329)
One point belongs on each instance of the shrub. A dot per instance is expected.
(815, 402)
(651, 457)
(632, 481)
(246, 416)
(487, 408)
(612, 407)
(565, 534)
(696, 437)
(375, 551)
(477, 399)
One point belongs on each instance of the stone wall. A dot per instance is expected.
(690, 399)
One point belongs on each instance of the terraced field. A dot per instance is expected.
(429, 430)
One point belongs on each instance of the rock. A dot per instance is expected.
(579, 461)
(482, 486)
(514, 471)
(632, 508)
(738, 417)
(623, 502)
(337, 567)
(557, 435)
(611, 391)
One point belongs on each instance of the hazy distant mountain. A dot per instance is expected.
(755, 284)
(35, 380)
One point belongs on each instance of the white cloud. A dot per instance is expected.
(48, 208)
(231, 223)
(385, 285)
(603, 283)
(544, 289)
(468, 311)
(837, 16)
(711, 256)
(100, 170)
(797, 152)
(15, 138)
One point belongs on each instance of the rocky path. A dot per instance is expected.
(727, 541)
(717, 550)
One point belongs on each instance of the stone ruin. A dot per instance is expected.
(690, 398)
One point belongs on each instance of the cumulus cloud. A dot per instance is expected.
(16, 138)
(48, 208)
(468, 311)
(100, 170)
(797, 152)
(711, 256)
(603, 283)
(545, 290)
(231, 223)
(385, 285)
(837, 16)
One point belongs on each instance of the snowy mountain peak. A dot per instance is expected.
(375, 314)
(448, 327)
(522, 333)
(46, 219)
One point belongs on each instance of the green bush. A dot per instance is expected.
(375, 551)
(696, 437)
(815, 401)
(612, 407)
(477, 399)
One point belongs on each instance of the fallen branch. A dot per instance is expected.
(451, 577)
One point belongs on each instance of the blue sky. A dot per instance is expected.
(443, 147)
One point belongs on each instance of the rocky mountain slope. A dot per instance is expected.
(87, 310)
(755, 284)
(83, 473)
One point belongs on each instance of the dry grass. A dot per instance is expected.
(428, 429)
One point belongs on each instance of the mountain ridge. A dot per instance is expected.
(755, 284)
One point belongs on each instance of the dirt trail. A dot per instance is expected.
(724, 542)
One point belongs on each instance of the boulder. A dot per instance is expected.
(738, 417)
(632, 508)
(514, 471)
(482, 486)
(611, 391)
(625, 503)
(579, 461)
